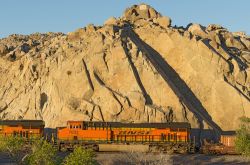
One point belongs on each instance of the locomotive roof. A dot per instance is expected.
(33, 123)
(140, 125)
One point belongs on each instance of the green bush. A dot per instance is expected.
(42, 153)
(80, 156)
(242, 142)
(13, 146)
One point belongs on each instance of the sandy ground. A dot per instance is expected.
(164, 159)
(136, 158)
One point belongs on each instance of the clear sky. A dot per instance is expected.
(29, 16)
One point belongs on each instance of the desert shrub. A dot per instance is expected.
(242, 142)
(80, 156)
(42, 153)
(13, 146)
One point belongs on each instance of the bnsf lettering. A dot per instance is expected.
(134, 132)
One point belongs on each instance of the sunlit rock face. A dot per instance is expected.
(101, 73)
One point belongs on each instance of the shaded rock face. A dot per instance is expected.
(104, 73)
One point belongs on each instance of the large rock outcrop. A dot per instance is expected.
(104, 73)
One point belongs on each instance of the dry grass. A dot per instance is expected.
(137, 158)
(134, 158)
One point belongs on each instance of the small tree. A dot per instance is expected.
(242, 142)
(80, 156)
(13, 146)
(42, 153)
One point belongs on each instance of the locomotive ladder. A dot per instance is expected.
(169, 75)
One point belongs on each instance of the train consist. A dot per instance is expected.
(166, 137)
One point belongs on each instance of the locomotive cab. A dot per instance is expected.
(75, 125)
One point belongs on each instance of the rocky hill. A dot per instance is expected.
(136, 68)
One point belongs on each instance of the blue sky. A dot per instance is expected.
(29, 16)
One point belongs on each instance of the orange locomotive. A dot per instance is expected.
(93, 133)
(22, 128)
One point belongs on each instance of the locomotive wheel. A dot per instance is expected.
(63, 148)
(170, 151)
(59, 148)
(182, 149)
(95, 148)
(153, 148)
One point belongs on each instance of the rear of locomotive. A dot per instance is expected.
(172, 139)
(168, 137)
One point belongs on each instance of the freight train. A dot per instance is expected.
(166, 137)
